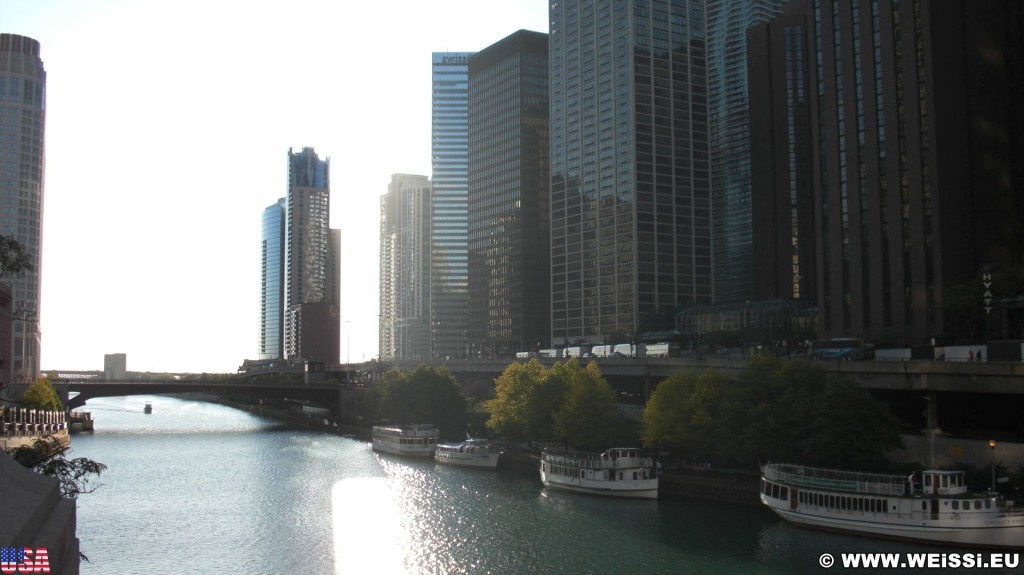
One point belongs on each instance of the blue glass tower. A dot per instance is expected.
(728, 99)
(449, 251)
(272, 282)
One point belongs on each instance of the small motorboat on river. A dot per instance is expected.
(148, 408)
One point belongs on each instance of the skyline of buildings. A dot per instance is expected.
(22, 171)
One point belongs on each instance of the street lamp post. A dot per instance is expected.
(348, 341)
(992, 448)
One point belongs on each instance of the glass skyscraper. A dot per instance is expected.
(728, 97)
(509, 209)
(630, 182)
(272, 282)
(449, 251)
(22, 167)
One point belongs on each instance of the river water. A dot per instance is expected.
(196, 487)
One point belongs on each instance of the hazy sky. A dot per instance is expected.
(167, 132)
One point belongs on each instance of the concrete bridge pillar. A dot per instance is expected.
(62, 393)
(931, 427)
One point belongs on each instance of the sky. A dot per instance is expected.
(168, 126)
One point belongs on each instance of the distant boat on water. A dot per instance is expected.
(148, 408)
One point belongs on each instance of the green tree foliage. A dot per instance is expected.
(774, 411)
(566, 403)
(41, 395)
(545, 401)
(13, 259)
(427, 395)
(589, 415)
(513, 391)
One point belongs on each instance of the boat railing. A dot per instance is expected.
(836, 480)
(596, 461)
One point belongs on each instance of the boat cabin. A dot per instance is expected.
(938, 482)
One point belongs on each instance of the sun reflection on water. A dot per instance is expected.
(368, 535)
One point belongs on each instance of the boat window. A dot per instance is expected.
(977, 504)
(967, 505)
(928, 480)
(945, 481)
(988, 504)
(924, 506)
(956, 506)
(831, 500)
(785, 494)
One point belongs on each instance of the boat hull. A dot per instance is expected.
(1002, 532)
(404, 451)
(639, 489)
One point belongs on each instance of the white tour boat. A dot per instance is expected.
(469, 453)
(618, 472)
(418, 440)
(934, 508)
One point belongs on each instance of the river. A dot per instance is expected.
(197, 487)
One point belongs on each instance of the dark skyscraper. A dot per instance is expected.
(630, 181)
(22, 169)
(508, 195)
(915, 136)
(312, 325)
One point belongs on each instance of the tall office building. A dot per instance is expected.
(449, 252)
(728, 99)
(22, 168)
(311, 324)
(630, 182)
(405, 269)
(915, 137)
(509, 231)
(272, 282)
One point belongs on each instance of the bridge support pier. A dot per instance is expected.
(931, 429)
